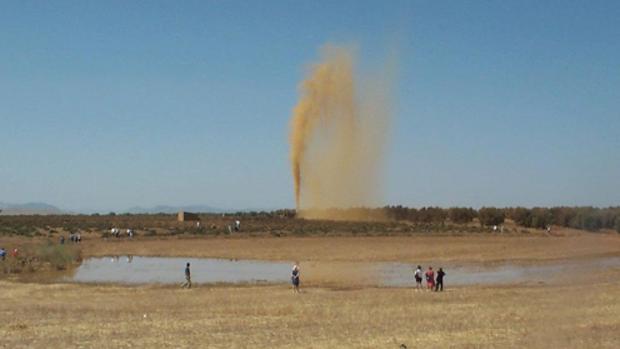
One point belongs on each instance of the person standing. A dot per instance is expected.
(430, 278)
(418, 278)
(295, 278)
(439, 283)
(188, 278)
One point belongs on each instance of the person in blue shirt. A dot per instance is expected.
(2, 253)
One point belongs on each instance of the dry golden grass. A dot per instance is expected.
(67, 315)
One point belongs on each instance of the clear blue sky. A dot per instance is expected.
(109, 104)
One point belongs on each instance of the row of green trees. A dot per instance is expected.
(588, 218)
(487, 216)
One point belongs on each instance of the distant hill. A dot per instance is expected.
(29, 208)
(175, 209)
(42, 208)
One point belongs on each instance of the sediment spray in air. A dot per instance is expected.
(337, 136)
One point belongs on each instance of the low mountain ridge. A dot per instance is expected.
(29, 209)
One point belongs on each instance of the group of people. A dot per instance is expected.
(116, 232)
(294, 277)
(73, 237)
(433, 282)
(3, 253)
(236, 226)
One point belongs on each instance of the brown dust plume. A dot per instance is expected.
(337, 136)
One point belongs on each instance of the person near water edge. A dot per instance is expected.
(418, 278)
(430, 278)
(188, 277)
(439, 283)
(295, 278)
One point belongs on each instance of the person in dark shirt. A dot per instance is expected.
(188, 278)
(439, 283)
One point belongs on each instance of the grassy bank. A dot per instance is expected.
(39, 256)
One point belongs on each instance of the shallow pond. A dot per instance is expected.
(401, 274)
(167, 270)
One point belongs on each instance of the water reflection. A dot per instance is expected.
(166, 270)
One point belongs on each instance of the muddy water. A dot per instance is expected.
(166, 270)
(401, 275)
(152, 270)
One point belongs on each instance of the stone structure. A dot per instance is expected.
(187, 216)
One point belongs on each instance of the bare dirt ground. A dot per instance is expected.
(578, 314)
(472, 248)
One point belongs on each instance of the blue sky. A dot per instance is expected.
(106, 105)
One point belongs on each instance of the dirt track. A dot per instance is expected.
(478, 248)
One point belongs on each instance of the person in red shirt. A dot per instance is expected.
(430, 278)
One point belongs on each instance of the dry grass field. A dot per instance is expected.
(91, 316)
(581, 312)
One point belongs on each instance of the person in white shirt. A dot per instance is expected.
(418, 278)
(295, 278)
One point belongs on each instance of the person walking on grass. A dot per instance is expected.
(418, 278)
(188, 278)
(430, 278)
(439, 283)
(295, 278)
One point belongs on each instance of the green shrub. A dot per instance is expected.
(490, 216)
(58, 256)
(461, 215)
